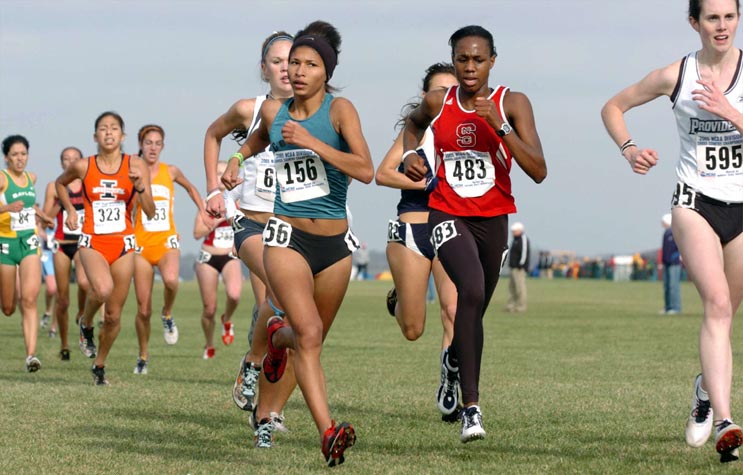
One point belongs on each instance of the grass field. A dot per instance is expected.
(590, 380)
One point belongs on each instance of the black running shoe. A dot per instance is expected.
(64, 354)
(99, 375)
(392, 301)
(87, 345)
(447, 396)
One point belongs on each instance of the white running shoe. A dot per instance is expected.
(699, 423)
(170, 330)
(141, 367)
(472, 428)
(32, 364)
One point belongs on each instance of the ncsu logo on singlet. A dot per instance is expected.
(466, 135)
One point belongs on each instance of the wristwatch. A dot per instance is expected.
(504, 130)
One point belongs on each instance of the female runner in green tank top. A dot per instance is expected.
(20, 248)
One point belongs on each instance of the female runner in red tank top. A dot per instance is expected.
(478, 130)
(65, 250)
(111, 182)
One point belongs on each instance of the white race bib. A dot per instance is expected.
(443, 232)
(393, 231)
(301, 175)
(277, 233)
(265, 176)
(109, 217)
(80, 220)
(161, 221)
(470, 173)
(719, 155)
(224, 237)
(23, 220)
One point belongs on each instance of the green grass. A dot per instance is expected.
(590, 380)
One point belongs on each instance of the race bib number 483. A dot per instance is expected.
(470, 173)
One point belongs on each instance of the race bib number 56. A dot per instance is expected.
(277, 233)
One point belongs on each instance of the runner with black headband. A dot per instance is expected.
(318, 146)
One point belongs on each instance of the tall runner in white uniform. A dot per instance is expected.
(706, 93)
(255, 197)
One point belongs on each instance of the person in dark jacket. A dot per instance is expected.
(671, 270)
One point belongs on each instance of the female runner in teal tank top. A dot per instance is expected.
(319, 147)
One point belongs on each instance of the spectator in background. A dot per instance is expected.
(546, 262)
(518, 262)
(671, 270)
(362, 262)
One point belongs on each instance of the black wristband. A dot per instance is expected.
(139, 191)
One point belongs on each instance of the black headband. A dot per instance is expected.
(323, 48)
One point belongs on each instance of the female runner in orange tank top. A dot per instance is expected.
(111, 182)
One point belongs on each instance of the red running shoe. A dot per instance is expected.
(335, 441)
(228, 332)
(274, 363)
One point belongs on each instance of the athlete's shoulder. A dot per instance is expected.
(243, 109)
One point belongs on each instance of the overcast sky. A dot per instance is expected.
(181, 64)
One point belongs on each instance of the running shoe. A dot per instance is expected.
(64, 354)
(728, 437)
(170, 330)
(699, 422)
(141, 367)
(87, 345)
(392, 301)
(208, 353)
(52, 333)
(228, 332)
(455, 416)
(447, 396)
(99, 375)
(45, 320)
(263, 435)
(278, 421)
(244, 389)
(335, 441)
(472, 428)
(32, 364)
(274, 363)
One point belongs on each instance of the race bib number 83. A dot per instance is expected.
(443, 232)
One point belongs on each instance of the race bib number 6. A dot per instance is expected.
(443, 232)
(277, 233)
